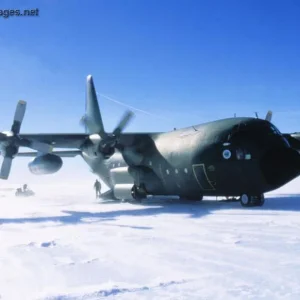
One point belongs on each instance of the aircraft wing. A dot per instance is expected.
(293, 139)
(59, 140)
(67, 153)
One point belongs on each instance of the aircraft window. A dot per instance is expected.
(240, 154)
(176, 171)
(236, 129)
(150, 163)
(185, 170)
(275, 130)
(286, 141)
(167, 171)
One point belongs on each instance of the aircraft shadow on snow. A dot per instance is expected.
(272, 206)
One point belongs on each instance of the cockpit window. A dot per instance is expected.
(275, 130)
(237, 129)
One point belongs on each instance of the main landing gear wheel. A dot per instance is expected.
(248, 200)
(138, 193)
(260, 200)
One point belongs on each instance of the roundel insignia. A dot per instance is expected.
(226, 154)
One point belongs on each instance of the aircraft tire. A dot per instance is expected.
(259, 201)
(245, 200)
(248, 200)
(136, 194)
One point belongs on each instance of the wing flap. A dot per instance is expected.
(67, 153)
(61, 140)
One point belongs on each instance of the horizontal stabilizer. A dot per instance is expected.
(67, 153)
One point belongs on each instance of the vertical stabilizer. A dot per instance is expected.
(92, 119)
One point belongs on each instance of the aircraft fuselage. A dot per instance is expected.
(221, 158)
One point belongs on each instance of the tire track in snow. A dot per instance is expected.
(114, 291)
(245, 260)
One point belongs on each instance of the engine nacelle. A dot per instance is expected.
(45, 164)
(94, 151)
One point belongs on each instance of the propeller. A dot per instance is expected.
(269, 116)
(103, 142)
(128, 115)
(5, 167)
(109, 141)
(10, 141)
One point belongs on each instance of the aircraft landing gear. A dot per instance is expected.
(138, 193)
(247, 200)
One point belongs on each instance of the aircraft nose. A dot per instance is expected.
(280, 165)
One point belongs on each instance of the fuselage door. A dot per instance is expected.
(201, 175)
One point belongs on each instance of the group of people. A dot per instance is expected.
(24, 191)
(97, 187)
(20, 190)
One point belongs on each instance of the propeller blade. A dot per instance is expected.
(19, 116)
(35, 145)
(269, 116)
(123, 123)
(5, 168)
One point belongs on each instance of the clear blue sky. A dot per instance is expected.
(188, 61)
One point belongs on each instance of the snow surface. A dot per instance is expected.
(63, 244)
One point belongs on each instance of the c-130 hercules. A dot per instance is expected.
(240, 157)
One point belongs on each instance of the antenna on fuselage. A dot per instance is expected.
(256, 115)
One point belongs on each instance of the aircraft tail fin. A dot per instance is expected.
(92, 119)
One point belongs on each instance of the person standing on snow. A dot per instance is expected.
(97, 187)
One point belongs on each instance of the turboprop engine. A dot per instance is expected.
(45, 164)
(100, 143)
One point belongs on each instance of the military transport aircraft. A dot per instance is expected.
(239, 157)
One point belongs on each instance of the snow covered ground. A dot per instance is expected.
(65, 245)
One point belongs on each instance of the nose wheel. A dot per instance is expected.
(247, 200)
